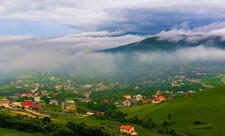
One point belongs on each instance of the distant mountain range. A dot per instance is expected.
(157, 43)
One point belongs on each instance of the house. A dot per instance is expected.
(126, 103)
(55, 94)
(54, 102)
(127, 96)
(167, 92)
(87, 86)
(99, 113)
(36, 106)
(105, 101)
(19, 87)
(37, 93)
(162, 98)
(16, 104)
(138, 97)
(136, 88)
(4, 104)
(37, 99)
(58, 86)
(70, 102)
(126, 129)
(27, 94)
(70, 107)
(33, 90)
(191, 91)
(44, 91)
(155, 100)
(90, 113)
(17, 94)
(144, 101)
(27, 104)
(158, 93)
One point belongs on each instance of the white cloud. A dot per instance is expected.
(56, 53)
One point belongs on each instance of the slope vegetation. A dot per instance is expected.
(201, 114)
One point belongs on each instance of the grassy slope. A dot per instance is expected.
(213, 81)
(12, 132)
(112, 126)
(207, 106)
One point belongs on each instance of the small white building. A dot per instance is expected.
(54, 102)
(37, 99)
(138, 97)
(70, 102)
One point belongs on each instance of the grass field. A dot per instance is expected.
(12, 132)
(213, 81)
(207, 107)
(112, 126)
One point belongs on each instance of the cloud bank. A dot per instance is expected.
(74, 52)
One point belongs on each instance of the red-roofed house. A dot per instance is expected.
(144, 101)
(58, 86)
(99, 113)
(126, 103)
(44, 91)
(17, 94)
(36, 106)
(105, 101)
(4, 104)
(27, 94)
(27, 104)
(162, 98)
(54, 94)
(127, 130)
(32, 90)
(158, 93)
(127, 96)
(37, 93)
(155, 100)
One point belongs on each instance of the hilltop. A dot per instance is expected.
(156, 43)
(196, 115)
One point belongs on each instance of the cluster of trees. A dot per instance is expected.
(50, 128)
(163, 128)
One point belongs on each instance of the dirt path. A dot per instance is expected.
(205, 85)
(199, 81)
(24, 113)
(36, 113)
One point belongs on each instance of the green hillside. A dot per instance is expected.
(12, 132)
(213, 81)
(157, 44)
(206, 108)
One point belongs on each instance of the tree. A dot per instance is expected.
(170, 118)
(46, 120)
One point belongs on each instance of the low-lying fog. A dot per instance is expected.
(76, 53)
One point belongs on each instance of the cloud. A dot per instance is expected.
(82, 41)
(72, 51)
(89, 15)
(193, 35)
(185, 56)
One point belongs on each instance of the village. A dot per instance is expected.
(58, 96)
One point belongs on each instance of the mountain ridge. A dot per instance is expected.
(156, 43)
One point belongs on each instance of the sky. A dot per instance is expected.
(57, 17)
(59, 34)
